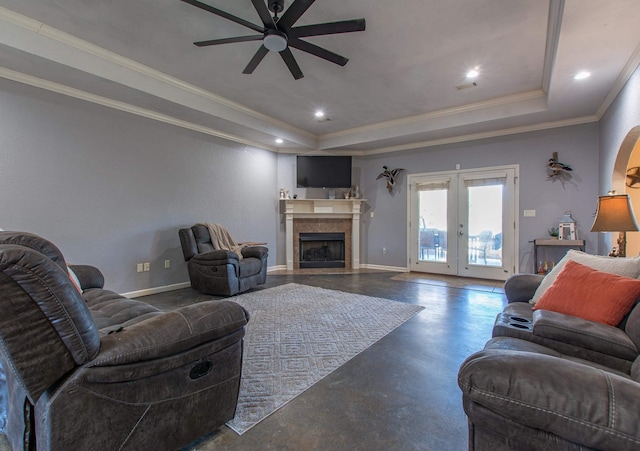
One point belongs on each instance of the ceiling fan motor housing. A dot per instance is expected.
(276, 6)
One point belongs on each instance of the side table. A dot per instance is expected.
(542, 242)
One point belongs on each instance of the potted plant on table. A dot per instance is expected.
(553, 233)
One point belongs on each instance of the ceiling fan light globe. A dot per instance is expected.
(276, 42)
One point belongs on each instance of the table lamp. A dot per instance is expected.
(614, 214)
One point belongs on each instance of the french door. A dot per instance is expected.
(464, 222)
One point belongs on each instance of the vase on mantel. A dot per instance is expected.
(355, 192)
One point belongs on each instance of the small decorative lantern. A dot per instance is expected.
(567, 228)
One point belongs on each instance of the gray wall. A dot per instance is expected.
(620, 118)
(576, 145)
(112, 189)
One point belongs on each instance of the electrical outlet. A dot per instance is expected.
(146, 266)
(371, 215)
(384, 250)
(167, 264)
(139, 267)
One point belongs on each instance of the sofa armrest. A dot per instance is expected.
(255, 251)
(89, 276)
(171, 333)
(582, 404)
(522, 287)
(584, 333)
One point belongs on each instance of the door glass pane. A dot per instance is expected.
(433, 225)
(485, 225)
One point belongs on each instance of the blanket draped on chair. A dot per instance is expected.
(222, 239)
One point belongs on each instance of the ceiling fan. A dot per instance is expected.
(278, 33)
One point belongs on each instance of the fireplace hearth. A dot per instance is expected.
(322, 250)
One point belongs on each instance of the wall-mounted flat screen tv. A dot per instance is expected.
(323, 171)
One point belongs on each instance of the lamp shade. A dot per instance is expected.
(614, 214)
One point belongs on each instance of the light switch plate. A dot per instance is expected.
(529, 213)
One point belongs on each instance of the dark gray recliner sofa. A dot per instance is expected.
(99, 371)
(221, 272)
(549, 381)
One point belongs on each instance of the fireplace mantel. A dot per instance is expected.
(319, 209)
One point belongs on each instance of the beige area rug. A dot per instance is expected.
(297, 335)
(442, 280)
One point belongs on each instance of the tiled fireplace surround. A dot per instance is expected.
(322, 215)
(323, 225)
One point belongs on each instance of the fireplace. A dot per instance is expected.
(322, 216)
(322, 250)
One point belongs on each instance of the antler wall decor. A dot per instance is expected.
(633, 177)
(390, 175)
(555, 169)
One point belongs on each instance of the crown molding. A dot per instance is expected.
(554, 25)
(623, 78)
(19, 77)
(453, 139)
(473, 107)
(479, 136)
(139, 76)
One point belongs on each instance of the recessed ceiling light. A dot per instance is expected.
(473, 73)
(582, 75)
(279, 141)
(319, 113)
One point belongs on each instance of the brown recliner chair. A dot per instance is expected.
(145, 379)
(221, 272)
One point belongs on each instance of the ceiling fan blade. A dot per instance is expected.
(264, 13)
(228, 16)
(291, 63)
(317, 51)
(293, 13)
(346, 26)
(259, 56)
(255, 37)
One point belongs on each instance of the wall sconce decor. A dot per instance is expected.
(615, 214)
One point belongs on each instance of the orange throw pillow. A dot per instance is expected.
(590, 294)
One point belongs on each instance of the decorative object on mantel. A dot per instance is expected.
(390, 175)
(556, 169)
(633, 177)
(614, 214)
(283, 194)
(354, 192)
(553, 232)
(567, 227)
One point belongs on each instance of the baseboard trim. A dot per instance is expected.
(156, 290)
(276, 268)
(178, 286)
(384, 268)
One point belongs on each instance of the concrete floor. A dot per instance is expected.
(399, 394)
